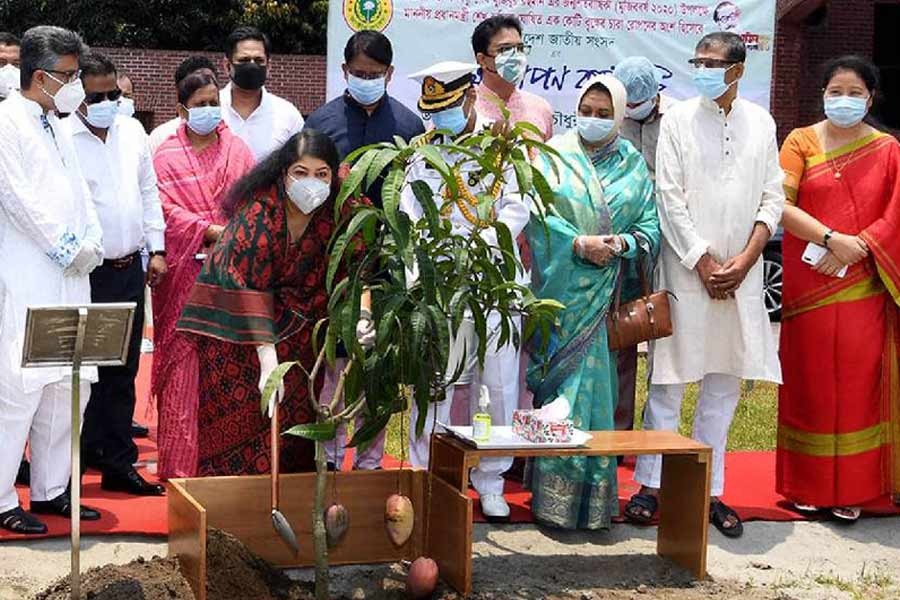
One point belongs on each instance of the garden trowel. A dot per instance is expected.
(279, 521)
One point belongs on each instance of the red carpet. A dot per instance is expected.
(750, 476)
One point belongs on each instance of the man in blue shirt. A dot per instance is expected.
(365, 113)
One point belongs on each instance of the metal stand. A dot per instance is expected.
(77, 336)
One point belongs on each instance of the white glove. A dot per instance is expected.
(268, 362)
(365, 330)
(89, 257)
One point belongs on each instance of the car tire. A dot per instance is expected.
(773, 278)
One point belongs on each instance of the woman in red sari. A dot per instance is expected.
(196, 168)
(839, 407)
(256, 304)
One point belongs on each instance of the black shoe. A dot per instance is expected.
(138, 430)
(131, 483)
(23, 477)
(62, 506)
(19, 521)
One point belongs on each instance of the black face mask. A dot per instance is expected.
(249, 75)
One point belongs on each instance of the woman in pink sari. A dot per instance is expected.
(196, 167)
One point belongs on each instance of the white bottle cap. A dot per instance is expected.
(484, 398)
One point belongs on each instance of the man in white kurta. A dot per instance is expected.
(720, 199)
(50, 240)
(501, 363)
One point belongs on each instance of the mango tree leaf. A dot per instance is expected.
(379, 163)
(353, 181)
(425, 195)
(318, 432)
(361, 216)
(272, 383)
(505, 242)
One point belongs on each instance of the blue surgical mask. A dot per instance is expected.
(846, 111)
(642, 110)
(511, 65)
(454, 119)
(204, 119)
(711, 82)
(102, 114)
(366, 91)
(593, 129)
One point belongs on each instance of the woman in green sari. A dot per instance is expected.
(603, 218)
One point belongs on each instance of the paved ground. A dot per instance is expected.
(786, 561)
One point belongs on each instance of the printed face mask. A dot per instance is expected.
(511, 65)
(366, 91)
(846, 111)
(308, 193)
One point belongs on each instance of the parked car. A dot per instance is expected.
(772, 276)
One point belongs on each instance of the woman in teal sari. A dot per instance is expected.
(603, 218)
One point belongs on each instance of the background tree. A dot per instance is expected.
(294, 26)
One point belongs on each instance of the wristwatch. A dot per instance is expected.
(158, 253)
(828, 235)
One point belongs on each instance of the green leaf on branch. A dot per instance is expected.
(272, 383)
(379, 164)
(318, 432)
(359, 219)
(351, 185)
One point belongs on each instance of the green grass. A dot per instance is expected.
(753, 428)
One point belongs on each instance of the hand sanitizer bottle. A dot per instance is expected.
(481, 423)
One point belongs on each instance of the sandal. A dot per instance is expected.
(19, 521)
(720, 514)
(805, 508)
(641, 509)
(848, 514)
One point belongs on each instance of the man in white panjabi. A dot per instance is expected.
(50, 241)
(449, 99)
(720, 199)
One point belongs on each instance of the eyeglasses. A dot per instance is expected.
(368, 76)
(68, 76)
(97, 97)
(712, 63)
(523, 48)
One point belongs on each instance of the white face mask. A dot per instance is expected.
(126, 107)
(9, 80)
(69, 97)
(102, 114)
(641, 111)
(308, 193)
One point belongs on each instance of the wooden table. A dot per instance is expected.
(683, 497)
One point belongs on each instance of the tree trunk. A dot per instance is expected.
(320, 542)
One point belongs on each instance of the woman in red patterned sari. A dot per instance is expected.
(256, 303)
(839, 408)
(196, 167)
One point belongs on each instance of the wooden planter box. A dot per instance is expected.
(241, 506)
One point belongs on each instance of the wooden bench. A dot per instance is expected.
(683, 498)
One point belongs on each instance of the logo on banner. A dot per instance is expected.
(368, 14)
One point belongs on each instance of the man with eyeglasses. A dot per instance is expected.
(9, 64)
(50, 240)
(259, 117)
(364, 114)
(503, 58)
(720, 198)
(116, 162)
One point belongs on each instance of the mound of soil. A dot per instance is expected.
(232, 572)
(154, 579)
(235, 572)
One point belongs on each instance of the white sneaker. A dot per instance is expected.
(494, 506)
(146, 346)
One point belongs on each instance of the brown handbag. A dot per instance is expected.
(647, 318)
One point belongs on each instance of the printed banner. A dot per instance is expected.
(571, 40)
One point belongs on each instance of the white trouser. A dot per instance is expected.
(719, 395)
(368, 460)
(44, 418)
(501, 376)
